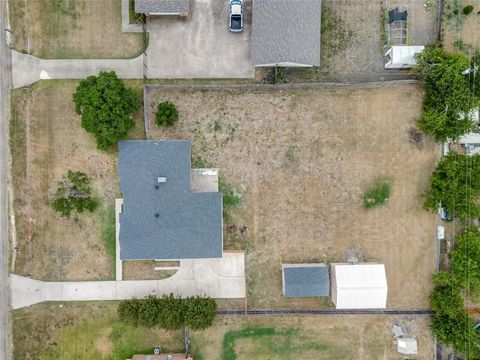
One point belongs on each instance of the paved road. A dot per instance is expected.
(5, 86)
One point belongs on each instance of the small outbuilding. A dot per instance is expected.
(407, 345)
(162, 7)
(305, 280)
(401, 56)
(359, 286)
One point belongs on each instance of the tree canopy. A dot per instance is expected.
(74, 194)
(455, 184)
(448, 93)
(106, 106)
(452, 324)
(169, 312)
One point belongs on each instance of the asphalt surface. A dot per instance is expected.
(5, 86)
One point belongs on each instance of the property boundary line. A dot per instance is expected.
(323, 312)
(253, 86)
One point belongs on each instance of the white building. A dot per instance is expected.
(359, 286)
(401, 56)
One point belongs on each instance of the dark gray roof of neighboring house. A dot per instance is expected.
(170, 222)
(310, 280)
(161, 6)
(286, 31)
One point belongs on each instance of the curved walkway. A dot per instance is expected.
(222, 278)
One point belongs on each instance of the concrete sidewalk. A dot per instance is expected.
(217, 278)
(27, 69)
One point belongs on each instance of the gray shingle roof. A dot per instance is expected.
(170, 222)
(305, 280)
(286, 31)
(161, 6)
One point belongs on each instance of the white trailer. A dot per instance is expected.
(401, 56)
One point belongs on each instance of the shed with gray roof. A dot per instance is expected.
(162, 218)
(305, 280)
(286, 33)
(162, 7)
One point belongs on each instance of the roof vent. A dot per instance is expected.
(157, 215)
(161, 179)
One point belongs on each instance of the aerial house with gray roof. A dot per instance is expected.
(162, 218)
(286, 33)
(162, 7)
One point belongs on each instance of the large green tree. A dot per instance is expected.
(448, 93)
(455, 184)
(106, 107)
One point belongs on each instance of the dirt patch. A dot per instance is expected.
(336, 337)
(46, 141)
(72, 29)
(103, 343)
(301, 160)
(145, 270)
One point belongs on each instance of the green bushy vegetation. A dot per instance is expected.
(455, 184)
(166, 114)
(448, 93)
(106, 107)
(169, 312)
(377, 194)
(74, 194)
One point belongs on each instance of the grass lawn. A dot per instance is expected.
(46, 141)
(89, 331)
(72, 29)
(302, 337)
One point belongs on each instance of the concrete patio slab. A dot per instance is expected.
(222, 278)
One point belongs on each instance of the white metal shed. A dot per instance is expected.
(401, 56)
(359, 286)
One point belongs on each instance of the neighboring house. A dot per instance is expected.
(401, 56)
(305, 280)
(359, 286)
(162, 218)
(162, 7)
(286, 33)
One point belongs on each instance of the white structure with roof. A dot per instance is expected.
(359, 286)
(401, 56)
(407, 345)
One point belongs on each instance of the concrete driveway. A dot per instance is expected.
(200, 46)
(217, 278)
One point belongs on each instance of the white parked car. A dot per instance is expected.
(236, 16)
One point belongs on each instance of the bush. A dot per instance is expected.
(467, 9)
(135, 18)
(377, 195)
(447, 93)
(465, 267)
(455, 184)
(166, 114)
(169, 312)
(74, 194)
(106, 107)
